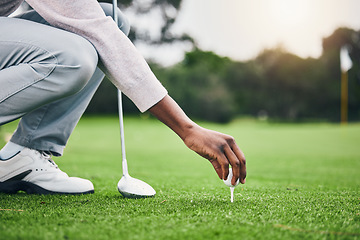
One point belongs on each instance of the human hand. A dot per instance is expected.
(220, 149)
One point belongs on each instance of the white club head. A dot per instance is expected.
(131, 187)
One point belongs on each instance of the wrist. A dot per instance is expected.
(185, 129)
(168, 112)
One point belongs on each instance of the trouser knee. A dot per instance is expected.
(77, 64)
(42, 60)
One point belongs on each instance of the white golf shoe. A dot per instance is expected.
(35, 172)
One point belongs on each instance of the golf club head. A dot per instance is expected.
(131, 187)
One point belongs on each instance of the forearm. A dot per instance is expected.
(169, 112)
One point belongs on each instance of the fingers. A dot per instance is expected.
(235, 164)
(220, 164)
(225, 169)
(217, 168)
(237, 160)
(242, 162)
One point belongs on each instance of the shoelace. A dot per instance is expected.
(47, 157)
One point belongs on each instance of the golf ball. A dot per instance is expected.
(228, 180)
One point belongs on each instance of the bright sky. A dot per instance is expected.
(242, 29)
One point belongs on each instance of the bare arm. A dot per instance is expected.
(220, 149)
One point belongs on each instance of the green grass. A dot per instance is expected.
(303, 183)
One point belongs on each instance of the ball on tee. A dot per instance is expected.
(228, 180)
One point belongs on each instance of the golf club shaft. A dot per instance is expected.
(121, 119)
(114, 3)
(122, 135)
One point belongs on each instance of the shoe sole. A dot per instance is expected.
(13, 187)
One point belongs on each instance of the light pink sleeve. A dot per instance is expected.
(124, 65)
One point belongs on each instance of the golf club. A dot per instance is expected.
(128, 186)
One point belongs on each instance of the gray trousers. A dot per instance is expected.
(47, 78)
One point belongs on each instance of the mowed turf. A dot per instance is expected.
(303, 183)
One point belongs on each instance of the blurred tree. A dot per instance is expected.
(288, 91)
(287, 87)
(245, 82)
(276, 83)
(331, 59)
(197, 85)
(167, 10)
